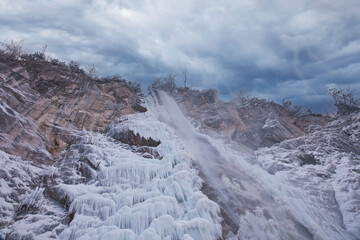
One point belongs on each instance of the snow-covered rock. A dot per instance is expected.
(324, 164)
(132, 196)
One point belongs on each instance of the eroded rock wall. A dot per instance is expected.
(41, 103)
(246, 122)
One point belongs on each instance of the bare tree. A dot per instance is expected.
(344, 101)
(169, 82)
(295, 111)
(43, 50)
(74, 67)
(184, 72)
(13, 49)
(91, 70)
(166, 84)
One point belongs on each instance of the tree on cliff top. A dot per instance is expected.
(12, 49)
(344, 101)
(166, 84)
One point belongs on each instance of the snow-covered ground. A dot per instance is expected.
(266, 205)
(24, 212)
(323, 166)
(113, 191)
(132, 197)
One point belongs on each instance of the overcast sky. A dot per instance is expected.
(273, 49)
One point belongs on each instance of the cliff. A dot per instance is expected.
(248, 123)
(84, 159)
(42, 103)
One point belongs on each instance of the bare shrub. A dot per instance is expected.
(344, 101)
(185, 73)
(293, 110)
(13, 49)
(58, 62)
(91, 70)
(136, 87)
(114, 78)
(74, 67)
(31, 202)
(37, 56)
(166, 84)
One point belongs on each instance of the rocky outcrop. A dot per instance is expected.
(42, 103)
(129, 137)
(43, 109)
(325, 161)
(245, 122)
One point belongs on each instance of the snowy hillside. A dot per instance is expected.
(324, 164)
(163, 174)
(113, 191)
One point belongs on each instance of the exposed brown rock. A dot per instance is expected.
(312, 119)
(41, 103)
(129, 137)
(245, 122)
(148, 152)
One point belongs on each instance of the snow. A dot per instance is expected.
(112, 192)
(328, 192)
(132, 197)
(278, 205)
(21, 199)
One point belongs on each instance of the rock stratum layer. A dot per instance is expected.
(41, 103)
(83, 159)
(247, 122)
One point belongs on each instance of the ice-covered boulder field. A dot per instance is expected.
(83, 159)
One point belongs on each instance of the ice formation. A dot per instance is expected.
(189, 188)
(326, 188)
(262, 205)
(33, 213)
(132, 197)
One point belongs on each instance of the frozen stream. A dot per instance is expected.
(254, 204)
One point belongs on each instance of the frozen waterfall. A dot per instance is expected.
(254, 204)
(199, 189)
(133, 197)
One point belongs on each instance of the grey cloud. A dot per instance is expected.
(269, 49)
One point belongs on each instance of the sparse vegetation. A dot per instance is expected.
(31, 202)
(166, 84)
(184, 72)
(74, 67)
(113, 78)
(57, 62)
(12, 49)
(37, 56)
(345, 101)
(136, 87)
(295, 110)
(91, 70)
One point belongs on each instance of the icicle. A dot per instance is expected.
(134, 197)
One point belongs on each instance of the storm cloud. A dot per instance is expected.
(270, 49)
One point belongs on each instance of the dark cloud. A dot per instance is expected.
(272, 49)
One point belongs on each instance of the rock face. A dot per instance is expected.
(43, 109)
(248, 122)
(73, 166)
(325, 161)
(42, 103)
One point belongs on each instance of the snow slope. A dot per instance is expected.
(262, 205)
(324, 165)
(190, 186)
(132, 197)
